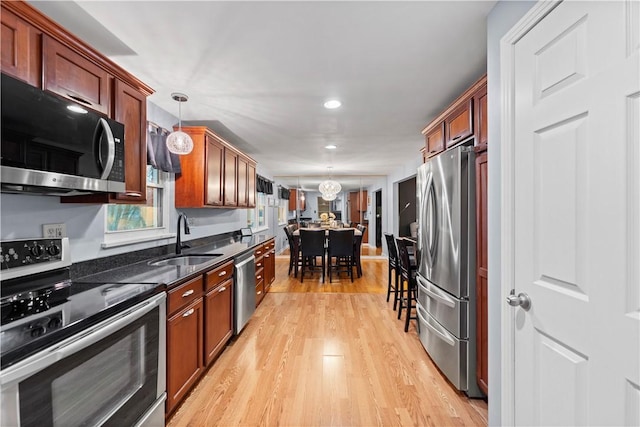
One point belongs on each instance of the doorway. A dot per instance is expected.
(379, 219)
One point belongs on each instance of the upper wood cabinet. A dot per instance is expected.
(297, 200)
(459, 123)
(37, 50)
(243, 182)
(230, 178)
(209, 175)
(465, 117)
(21, 52)
(73, 76)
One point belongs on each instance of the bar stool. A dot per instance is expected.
(340, 247)
(408, 276)
(392, 252)
(311, 246)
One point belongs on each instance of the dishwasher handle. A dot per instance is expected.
(242, 261)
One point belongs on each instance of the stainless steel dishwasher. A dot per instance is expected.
(245, 290)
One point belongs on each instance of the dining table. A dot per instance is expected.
(296, 233)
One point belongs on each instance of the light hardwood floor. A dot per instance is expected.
(332, 354)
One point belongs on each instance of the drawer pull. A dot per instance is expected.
(456, 137)
(188, 313)
(222, 289)
(258, 277)
(189, 292)
(259, 264)
(259, 292)
(132, 194)
(222, 273)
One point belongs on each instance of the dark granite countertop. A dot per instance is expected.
(169, 275)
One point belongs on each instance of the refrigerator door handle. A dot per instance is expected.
(442, 334)
(439, 296)
(433, 227)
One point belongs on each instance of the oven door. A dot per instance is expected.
(110, 374)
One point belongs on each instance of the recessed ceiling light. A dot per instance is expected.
(332, 103)
(331, 147)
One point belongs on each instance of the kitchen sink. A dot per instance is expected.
(184, 260)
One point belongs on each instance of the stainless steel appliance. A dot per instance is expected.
(244, 290)
(74, 353)
(446, 269)
(51, 145)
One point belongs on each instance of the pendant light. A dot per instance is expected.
(329, 186)
(179, 142)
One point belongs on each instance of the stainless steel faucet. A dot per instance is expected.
(179, 244)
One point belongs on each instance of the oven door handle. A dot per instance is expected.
(40, 361)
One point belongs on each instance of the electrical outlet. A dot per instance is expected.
(54, 231)
(190, 221)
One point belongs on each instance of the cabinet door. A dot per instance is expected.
(268, 270)
(435, 141)
(184, 352)
(215, 169)
(218, 320)
(243, 182)
(480, 105)
(20, 54)
(131, 109)
(459, 124)
(259, 291)
(251, 185)
(230, 178)
(482, 369)
(74, 77)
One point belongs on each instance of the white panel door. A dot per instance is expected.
(576, 155)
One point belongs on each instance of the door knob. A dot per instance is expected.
(521, 300)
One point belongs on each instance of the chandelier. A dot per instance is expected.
(330, 187)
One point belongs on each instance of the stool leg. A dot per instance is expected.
(388, 284)
(396, 288)
(401, 298)
(409, 306)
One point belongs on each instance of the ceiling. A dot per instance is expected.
(263, 70)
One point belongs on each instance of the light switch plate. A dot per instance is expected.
(54, 231)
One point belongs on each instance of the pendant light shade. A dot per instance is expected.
(330, 187)
(179, 142)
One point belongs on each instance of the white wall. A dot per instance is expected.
(500, 20)
(22, 216)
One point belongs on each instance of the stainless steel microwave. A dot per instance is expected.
(51, 145)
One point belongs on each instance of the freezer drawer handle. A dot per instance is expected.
(440, 297)
(444, 336)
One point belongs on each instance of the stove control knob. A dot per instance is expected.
(37, 331)
(36, 250)
(53, 249)
(55, 323)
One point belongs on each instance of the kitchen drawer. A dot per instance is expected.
(270, 245)
(184, 294)
(449, 311)
(219, 275)
(259, 263)
(259, 251)
(259, 291)
(259, 274)
(448, 352)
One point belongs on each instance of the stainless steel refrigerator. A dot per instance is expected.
(446, 265)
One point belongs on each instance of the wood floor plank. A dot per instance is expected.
(336, 355)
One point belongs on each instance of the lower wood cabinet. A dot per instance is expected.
(218, 319)
(184, 352)
(199, 325)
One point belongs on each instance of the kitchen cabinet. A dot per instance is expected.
(482, 273)
(269, 261)
(480, 107)
(357, 206)
(209, 175)
(185, 363)
(297, 200)
(199, 325)
(218, 306)
(21, 52)
(258, 254)
(435, 140)
(465, 117)
(40, 52)
(72, 76)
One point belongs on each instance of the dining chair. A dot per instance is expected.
(340, 248)
(294, 249)
(311, 247)
(407, 275)
(394, 265)
(357, 249)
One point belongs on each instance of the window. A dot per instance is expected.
(257, 217)
(126, 224)
(283, 205)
